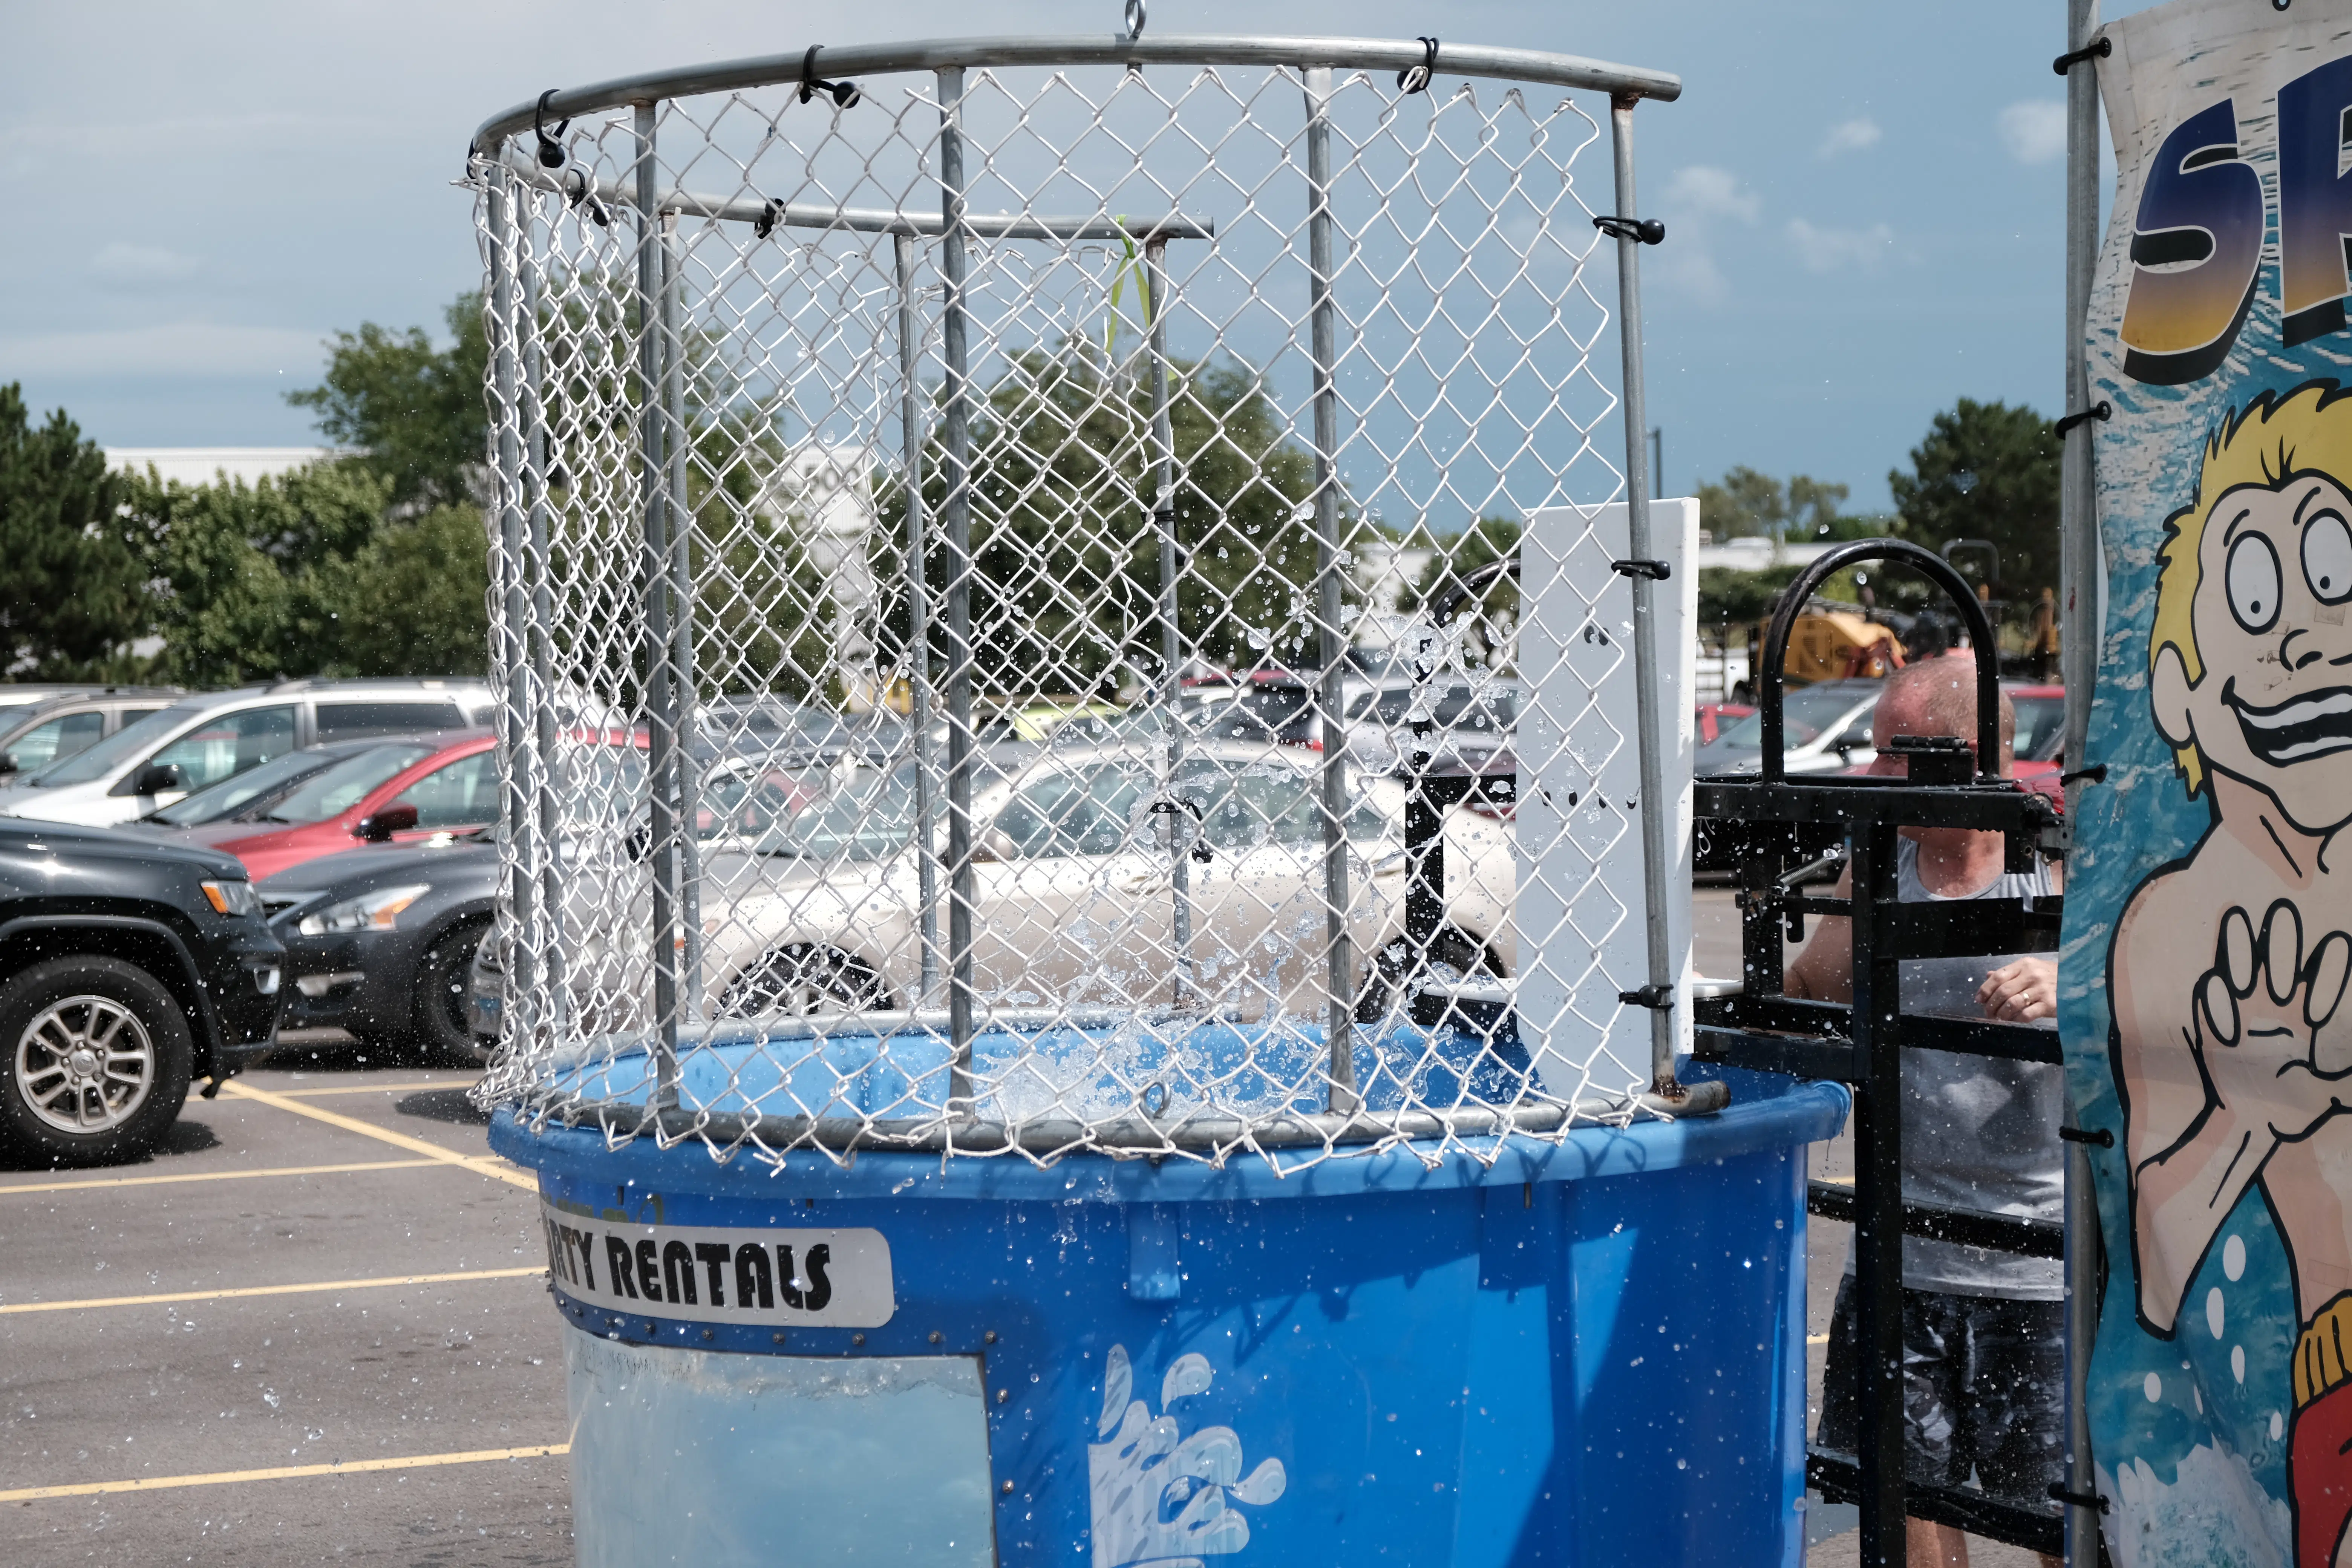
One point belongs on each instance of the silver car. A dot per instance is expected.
(1076, 896)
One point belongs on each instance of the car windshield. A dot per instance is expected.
(130, 741)
(1247, 807)
(869, 816)
(1806, 714)
(255, 785)
(336, 790)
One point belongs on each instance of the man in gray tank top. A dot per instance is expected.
(1983, 1347)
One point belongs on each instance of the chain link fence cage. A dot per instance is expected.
(1083, 594)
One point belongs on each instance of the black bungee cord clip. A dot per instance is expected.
(845, 93)
(1648, 230)
(582, 197)
(551, 151)
(2101, 411)
(2097, 52)
(1415, 79)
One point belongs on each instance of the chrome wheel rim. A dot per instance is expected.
(84, 1064)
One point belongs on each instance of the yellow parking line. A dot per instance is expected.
(217, 1176)
(487, 1165)
(372, 1087)
(224, 1294)
(288, 1472)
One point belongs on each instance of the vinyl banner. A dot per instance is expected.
(2209, 909)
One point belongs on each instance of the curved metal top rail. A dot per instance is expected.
(1089, 48)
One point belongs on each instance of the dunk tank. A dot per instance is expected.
(1095, 959)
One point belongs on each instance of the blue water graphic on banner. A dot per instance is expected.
(2209, 911)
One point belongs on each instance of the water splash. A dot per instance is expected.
(1159, 1497)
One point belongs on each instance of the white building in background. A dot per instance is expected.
(1382, 570)
(206, 464)
(1753, 552)
(824, 497)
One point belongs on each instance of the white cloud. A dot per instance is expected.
(142, 266)
(181, 349)
(1853, 136)
(1839, 249)
(2034, 131)
(1699, 200)
(1704, 192)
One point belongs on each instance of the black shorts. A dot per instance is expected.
(1984, 1389)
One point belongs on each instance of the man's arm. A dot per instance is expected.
(1823, 970)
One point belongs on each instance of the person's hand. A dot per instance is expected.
(2021, 991)
(2262, 1016)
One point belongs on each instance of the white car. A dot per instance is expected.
(1076, 904)
(200, 741)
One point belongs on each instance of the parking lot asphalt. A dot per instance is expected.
(359, 1301)
(275, 1292)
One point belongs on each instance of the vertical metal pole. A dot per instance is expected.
(661, 718)
(1657, 807)
(956, 514)
(681, 573)
(1878, 1198)
(1329, 561)
(509, 660)
(918, 612)
(546, 945)
(1171, 653)
(2080, 625)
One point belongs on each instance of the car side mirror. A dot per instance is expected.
(7, 762)
(1851, 741)
(379, 827)
(993, 846)
(157, 778)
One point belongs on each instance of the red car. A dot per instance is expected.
(399, 792)
(1712, 716)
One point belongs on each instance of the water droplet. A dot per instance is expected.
(2153, 1387)
(2278, 1427)
(2213, 1310)
(2233, 1256)
(2238, 1363)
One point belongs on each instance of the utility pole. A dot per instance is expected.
(1657, 462)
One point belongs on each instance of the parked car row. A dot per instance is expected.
(137, 826)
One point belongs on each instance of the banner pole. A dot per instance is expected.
(2080, 620)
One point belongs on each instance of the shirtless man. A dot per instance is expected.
(2232, 1053)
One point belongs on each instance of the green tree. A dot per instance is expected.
(72, 593)
(1987, 471)
(413, 413)
(414, 600)
(1065, 559)
(1748, 503)
(304, 575)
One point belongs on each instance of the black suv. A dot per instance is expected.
(130, 967)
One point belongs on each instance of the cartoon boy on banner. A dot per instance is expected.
(2238, 955)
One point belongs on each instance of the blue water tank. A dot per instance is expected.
(1590, 1351)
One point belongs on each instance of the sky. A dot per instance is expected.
(1863, 202)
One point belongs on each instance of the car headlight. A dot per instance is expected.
(231, 898)
(378, 910)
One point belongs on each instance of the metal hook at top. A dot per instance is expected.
(551, 151)
(1415, 79)
(845, 93)
(1134, 20)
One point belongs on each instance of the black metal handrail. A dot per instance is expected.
(1792, 604)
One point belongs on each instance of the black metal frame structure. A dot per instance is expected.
(1860, 1044)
